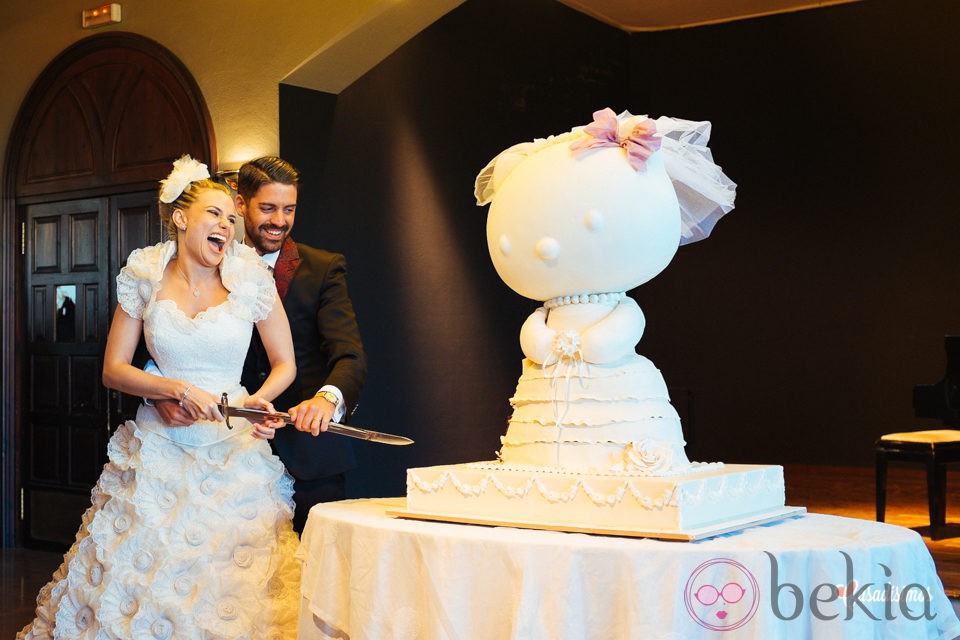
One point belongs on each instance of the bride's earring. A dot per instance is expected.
(179, 220)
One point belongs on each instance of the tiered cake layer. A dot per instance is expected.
(496, 493)
(594, 418)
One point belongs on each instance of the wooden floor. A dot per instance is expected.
(851, 492)
(845, 491)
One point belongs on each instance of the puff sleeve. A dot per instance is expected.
(250, 283)
(139, 279)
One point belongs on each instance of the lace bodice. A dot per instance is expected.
(207, 350)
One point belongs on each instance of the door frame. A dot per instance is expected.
(12, 205)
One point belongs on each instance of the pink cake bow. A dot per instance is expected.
(640, 143)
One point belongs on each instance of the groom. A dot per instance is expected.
(331, 363)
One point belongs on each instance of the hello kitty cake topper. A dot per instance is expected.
(578, 219)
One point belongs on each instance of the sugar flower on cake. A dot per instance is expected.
(648, 456)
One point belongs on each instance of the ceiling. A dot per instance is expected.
(386, 24)
(654, 15)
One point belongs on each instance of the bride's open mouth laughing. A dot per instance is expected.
(217, 242)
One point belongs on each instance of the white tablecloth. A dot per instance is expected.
(367, 576)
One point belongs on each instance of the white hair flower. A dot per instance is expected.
(185, 171)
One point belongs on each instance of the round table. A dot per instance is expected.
(370, 576)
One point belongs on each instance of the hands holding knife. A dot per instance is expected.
(270, 417)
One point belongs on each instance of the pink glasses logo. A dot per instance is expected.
(721, 595)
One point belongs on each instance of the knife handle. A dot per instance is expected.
(224, 400)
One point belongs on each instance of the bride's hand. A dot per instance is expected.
(267, 429)
(201, 404)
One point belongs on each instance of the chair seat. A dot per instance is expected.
(934, 436)
(935, 449)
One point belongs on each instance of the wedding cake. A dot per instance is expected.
(593, 443)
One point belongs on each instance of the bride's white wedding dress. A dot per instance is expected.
(189, 533)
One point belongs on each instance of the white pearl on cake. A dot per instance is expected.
(585, 298)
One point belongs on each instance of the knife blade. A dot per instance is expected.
(259, 415)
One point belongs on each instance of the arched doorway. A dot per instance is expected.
(97, 130)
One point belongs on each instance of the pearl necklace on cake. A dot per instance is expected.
(196, 289)
(585, 298)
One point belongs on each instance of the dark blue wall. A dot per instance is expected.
(794, 334)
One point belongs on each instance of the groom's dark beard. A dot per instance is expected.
(263, 244)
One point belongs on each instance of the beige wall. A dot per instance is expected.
(237, 51)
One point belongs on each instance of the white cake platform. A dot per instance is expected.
(690, 506)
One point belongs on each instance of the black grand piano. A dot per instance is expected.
(935, 448)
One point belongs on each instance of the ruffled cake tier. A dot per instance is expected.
(594, 418)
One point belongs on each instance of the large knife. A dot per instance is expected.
(259, 415)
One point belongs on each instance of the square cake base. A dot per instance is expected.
(690, 506)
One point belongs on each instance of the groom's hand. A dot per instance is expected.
(312, 415)
(172, 413)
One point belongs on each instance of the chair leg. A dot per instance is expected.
(933, 498)
(941, 495)
(881, 485)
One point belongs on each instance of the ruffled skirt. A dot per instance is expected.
(180, 543)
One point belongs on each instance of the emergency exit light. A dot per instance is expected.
(99, 16)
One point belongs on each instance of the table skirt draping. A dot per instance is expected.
(370, 576)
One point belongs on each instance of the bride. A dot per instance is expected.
(189, 532)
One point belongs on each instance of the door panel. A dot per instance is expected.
(66, 246)
(74, 250)
(135, 220)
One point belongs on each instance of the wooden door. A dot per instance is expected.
(73, 251)
(66, 285)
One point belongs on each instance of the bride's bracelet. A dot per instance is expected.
(184, 396)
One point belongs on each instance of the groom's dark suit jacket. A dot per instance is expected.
(313, 287)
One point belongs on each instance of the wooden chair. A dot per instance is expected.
(935, 449)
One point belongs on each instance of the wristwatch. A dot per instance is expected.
(329, 396)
